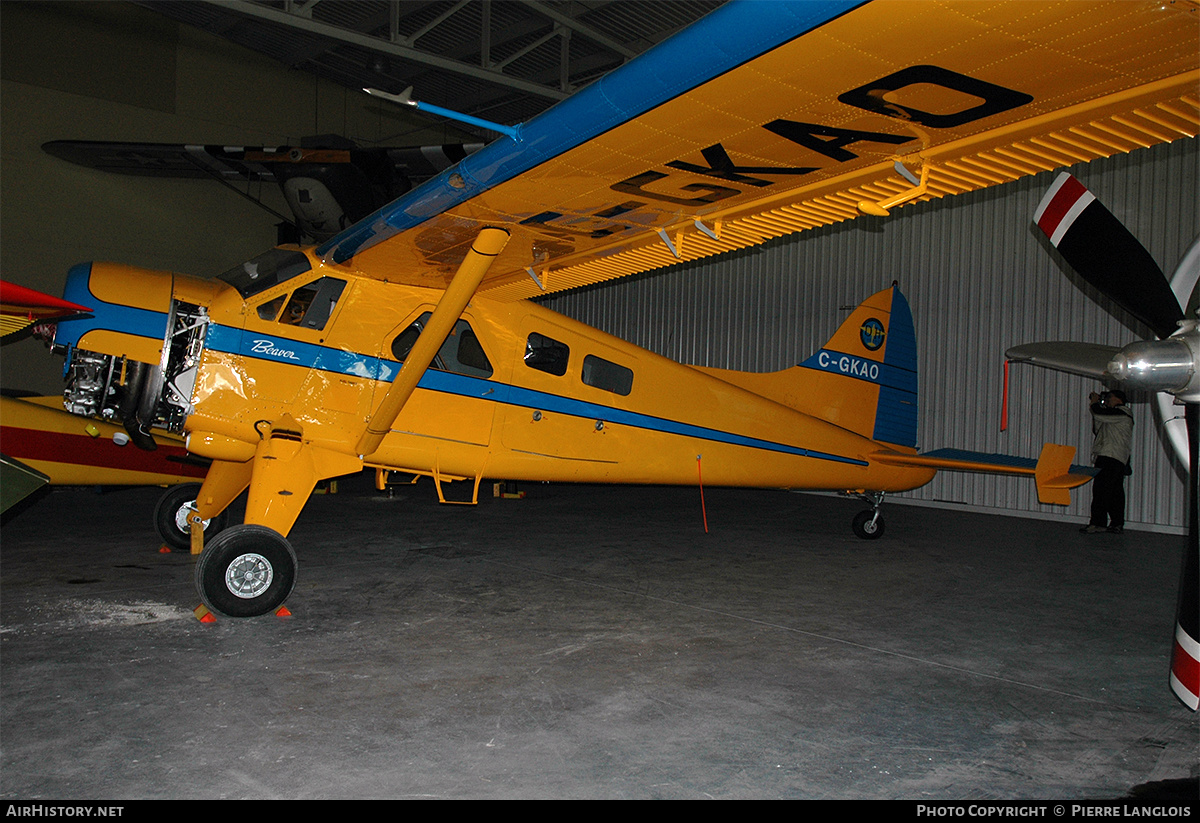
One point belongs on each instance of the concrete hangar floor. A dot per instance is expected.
(593, 642)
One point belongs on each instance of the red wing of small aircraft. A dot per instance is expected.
(20, 307)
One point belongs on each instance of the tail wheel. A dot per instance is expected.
(245, 571)
(171, 516)
(868, 525)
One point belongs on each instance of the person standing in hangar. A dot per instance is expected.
(1112, 425)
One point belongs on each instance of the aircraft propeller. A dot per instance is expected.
(1105, 254)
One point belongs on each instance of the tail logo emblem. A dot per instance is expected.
(872, 334)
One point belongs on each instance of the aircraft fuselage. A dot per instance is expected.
(517, 392)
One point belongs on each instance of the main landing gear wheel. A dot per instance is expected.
(171, 513)
(246, 571)
(868, 525)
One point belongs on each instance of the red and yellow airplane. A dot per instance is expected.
(407, 343)
(81, 451)
(42, 443)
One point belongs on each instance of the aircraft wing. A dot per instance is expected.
(251, 164)
(767, 118)
(20, 307)
(17, 481)
(1083, 359)
(328, 181)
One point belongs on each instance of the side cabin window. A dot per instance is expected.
(545, 354)
(461, 353)
(308, 307)
(604, 374)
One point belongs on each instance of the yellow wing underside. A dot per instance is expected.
(713, 170)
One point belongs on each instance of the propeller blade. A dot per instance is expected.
(1106, 255)
(1185, 655)
(1111, 259)
(1084, 359)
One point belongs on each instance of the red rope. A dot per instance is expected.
(1004, 405)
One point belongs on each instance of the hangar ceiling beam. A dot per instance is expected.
(386, 47)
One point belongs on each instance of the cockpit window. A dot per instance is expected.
(268, 269)
(270, 309)
(309, 306)
(312, 305)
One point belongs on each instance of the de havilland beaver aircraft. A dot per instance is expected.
(406, 342)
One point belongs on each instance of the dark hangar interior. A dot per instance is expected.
(579, 641)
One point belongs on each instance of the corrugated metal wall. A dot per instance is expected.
(980, 278)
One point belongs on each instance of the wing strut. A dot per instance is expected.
(487, 245)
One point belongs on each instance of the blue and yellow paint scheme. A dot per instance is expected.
(406, 342)
(512, 391)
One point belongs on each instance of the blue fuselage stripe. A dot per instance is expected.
(284, 351)
(105, 316)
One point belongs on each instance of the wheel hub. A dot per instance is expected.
(181, 518)
(249, 575)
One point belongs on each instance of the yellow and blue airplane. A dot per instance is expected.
(407, 342)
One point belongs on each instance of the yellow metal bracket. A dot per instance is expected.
(196, 532)
(382, 474)
(882, 207)
(438, 477)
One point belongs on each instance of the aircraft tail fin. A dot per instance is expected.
(869, 371)
(864, 379)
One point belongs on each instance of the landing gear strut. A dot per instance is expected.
(869, 524)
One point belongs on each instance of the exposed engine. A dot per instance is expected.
(141, 395)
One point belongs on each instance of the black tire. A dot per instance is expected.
(246, 571)
(868, 526)
(170, 516)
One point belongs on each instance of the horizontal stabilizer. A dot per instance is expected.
(1084, 359)
(1052, 471)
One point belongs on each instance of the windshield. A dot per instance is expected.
(268, 269)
